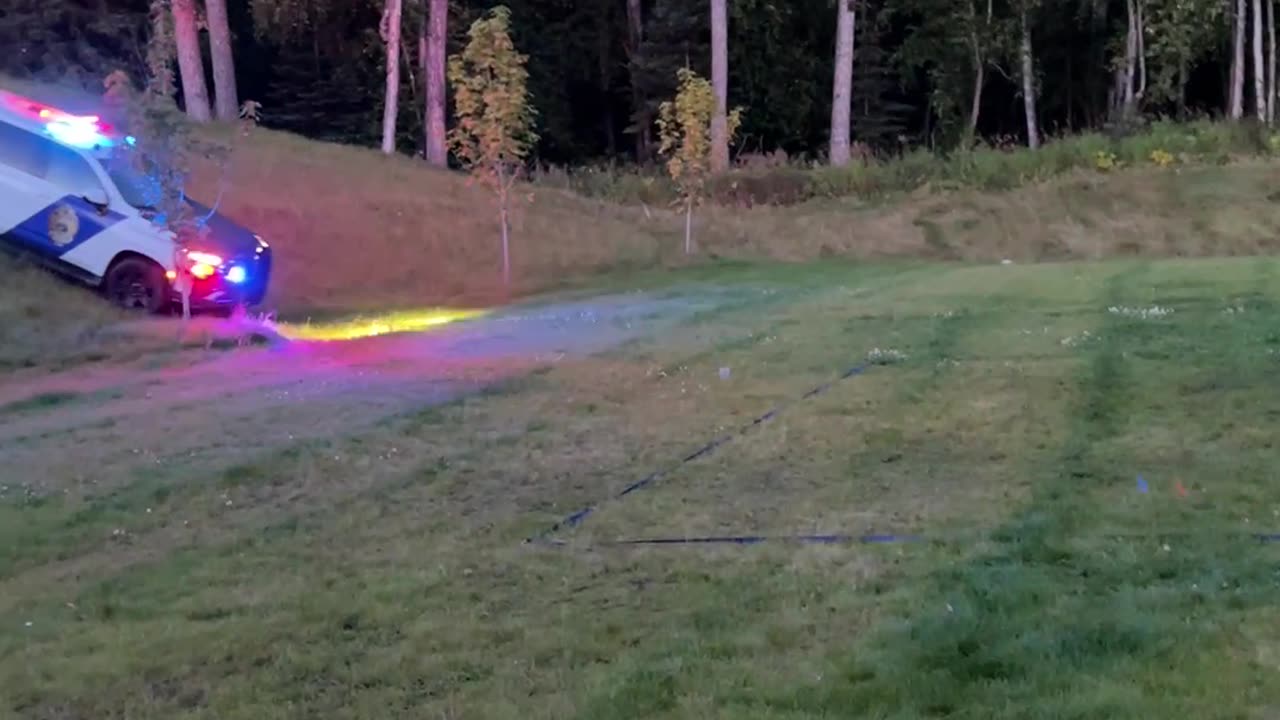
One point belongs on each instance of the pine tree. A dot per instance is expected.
(880, 116)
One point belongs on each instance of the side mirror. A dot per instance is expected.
(98, 199)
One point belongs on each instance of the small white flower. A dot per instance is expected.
(885, 357)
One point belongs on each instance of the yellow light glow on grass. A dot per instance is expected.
(401, 322)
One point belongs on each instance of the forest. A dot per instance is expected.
(815, 79)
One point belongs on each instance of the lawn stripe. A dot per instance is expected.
(575, 519)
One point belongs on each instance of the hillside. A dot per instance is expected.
(356, 231)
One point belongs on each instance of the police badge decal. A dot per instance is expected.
(63, 225)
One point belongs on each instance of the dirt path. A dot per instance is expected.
(95, 428)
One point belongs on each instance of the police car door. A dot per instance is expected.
(63, 206)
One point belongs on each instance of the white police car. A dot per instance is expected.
(70, 200)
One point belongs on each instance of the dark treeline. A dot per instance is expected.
(599, 68)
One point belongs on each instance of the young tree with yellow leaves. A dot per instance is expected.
(684, 126)
(494, 130)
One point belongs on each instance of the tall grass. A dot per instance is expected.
(984, 167)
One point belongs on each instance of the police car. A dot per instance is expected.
(71, 200)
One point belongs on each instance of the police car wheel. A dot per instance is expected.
(138, 285)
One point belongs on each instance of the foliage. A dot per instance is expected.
(1178, 32)
(881, 117)
(71, 41)
(985, 167)
(684, 130)
(316, 64)
(494, 130)
(684, 126)
(1162, 158)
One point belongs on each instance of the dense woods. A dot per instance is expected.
(820, 79)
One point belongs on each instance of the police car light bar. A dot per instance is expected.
(80, 131)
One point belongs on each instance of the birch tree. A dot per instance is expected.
(720, 84)
(494, 130)
(1026, 62)
(390, 31)
(1131, 75)
(186, 36)
(1259, 70)
(842, 92)
(979, 39)
(1271, 62)
(225, 97)
(1235, 107)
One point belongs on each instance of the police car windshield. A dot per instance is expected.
(135, 187)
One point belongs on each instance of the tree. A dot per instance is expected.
(1132, 74)
(1271, 61)
(1259, 70)
(685, 128)
(226, 99)
(433, 71)
(190, 60)
(494, 130)
(390, 32)
(1236, 100)
(1026, 58)
(720, 82)
(842, 92)
(1180, 32)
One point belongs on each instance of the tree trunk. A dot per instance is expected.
(1236, 110)
(506, 238)
(842, 92)
(1141, 38)
(1259, 70)
(1130, 58)
(979, 71)
(225, 97)
(635, 49)
(186, 37)
(1271, 62)
(688, 226)
(1028, 79)
(1182, 88)
(720, 83)
(391, 104)
(437, 151)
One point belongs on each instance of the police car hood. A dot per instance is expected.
(224, 236)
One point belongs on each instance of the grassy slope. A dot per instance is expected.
(1011, 436)
(355, 230)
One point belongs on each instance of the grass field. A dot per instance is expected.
(1005, 417)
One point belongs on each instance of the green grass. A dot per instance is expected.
(384, 575)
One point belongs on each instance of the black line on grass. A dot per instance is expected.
(870, 539)
(578, 517)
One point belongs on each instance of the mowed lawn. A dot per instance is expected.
(1083, 455)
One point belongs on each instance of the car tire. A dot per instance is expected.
(137, 285)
